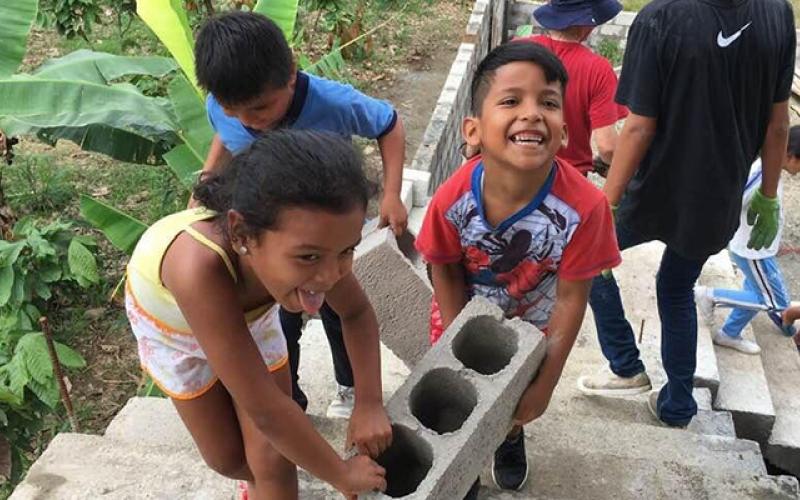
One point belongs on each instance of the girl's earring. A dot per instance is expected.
(242, 250)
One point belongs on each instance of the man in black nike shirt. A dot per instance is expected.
(707, 83)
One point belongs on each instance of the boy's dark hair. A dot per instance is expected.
(508, 53)
(794, 141)
(287, 169)
(238, 55)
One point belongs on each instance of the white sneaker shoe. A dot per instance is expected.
(739, 343)
(607, 383)
(343, 402)
(705, 303)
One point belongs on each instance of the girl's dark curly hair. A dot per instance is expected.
(287, 169)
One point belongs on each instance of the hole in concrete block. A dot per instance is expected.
(405, 242)
(485, 345)
(443, 400)
(407, 462)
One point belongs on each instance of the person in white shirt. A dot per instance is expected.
(763, 288)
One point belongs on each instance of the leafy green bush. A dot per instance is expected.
(40, 265)
(611, 50)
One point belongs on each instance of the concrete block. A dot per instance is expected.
(399, 293)
(743, 389)
(612, 30)
(151, 422)
(415, 218)
(456, 406)
(407, 194)
(782, 369)
(81, 466)
(625, 18)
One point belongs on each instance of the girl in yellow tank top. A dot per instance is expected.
(278, 227)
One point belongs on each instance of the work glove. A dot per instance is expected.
(763, 215)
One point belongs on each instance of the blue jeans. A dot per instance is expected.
(676, 310)
(763, 290)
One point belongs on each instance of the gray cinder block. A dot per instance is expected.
(456, 406)
(399, 293)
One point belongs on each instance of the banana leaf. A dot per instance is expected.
(99, 67)
(167, 19)
(113, 119)
(283, 12)
(16, 18)
(186, 159)
(120, 228)
(190, 109)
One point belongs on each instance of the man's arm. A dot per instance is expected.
(635, 139)
(393, 150)
(449, 288)
(773, 150)
(565, 322)
(606, 138)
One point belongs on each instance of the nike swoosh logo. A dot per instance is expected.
(724, 41)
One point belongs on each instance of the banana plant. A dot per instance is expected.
(80, 97)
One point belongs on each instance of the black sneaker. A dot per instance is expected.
(510, 465)
(472, 494)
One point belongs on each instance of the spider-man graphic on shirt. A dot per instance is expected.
(517, 263)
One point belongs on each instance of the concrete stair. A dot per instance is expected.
(581, 448)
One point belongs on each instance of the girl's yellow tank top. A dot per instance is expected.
(144, 268)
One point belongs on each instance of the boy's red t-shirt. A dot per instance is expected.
(565, 232)
(589, 100)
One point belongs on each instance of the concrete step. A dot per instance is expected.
(81, 466)
(586, 359)
(601, 459)
(782, 368)
(636, 279)
(743, 389)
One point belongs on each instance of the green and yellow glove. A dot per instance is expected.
(763, 215)
(606, 273)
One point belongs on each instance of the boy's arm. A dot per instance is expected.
(635, 139)
(565, 321)
(449, 288)
(369, 429)
(218, 155)
(393, 148)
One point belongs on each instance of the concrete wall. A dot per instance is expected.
(438, 152)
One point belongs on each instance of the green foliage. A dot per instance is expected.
(524, 30)
(36, 185)
(16, 18)
(122, 230)
(42, 263)
(70, 17)
(611, 50)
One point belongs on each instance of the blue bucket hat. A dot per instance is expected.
(562, 14)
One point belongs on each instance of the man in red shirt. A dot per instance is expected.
(589, 107)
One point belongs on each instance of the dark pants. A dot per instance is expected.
(292, 324)
(676, 309)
